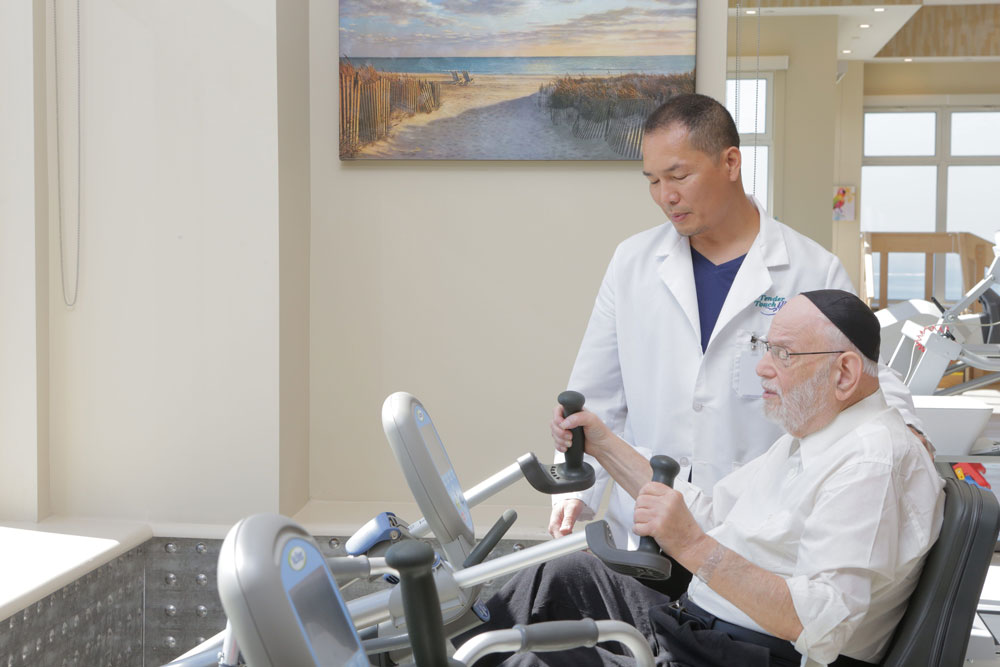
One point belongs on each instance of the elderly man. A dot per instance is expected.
(805, 555)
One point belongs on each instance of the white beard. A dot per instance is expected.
(796, 407)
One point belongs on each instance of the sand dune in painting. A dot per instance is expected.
(496, 117)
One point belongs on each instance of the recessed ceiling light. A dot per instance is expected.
(907, 60)
(865, 25)
(751, 11)
(879, 9)
(846, 51)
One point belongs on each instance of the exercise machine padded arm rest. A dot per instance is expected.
(547, 479)
(646, 562)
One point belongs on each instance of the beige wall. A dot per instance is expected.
(804, 115)
(165, 375)
(178, 381)
(42, 212)
(293, 256)
(23, 444)
(468, 284)
(848, 135)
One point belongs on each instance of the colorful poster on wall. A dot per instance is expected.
(508, 79)
(843, 203)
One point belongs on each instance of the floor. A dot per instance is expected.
(983, 651)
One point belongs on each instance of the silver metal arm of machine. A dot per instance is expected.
(377, 607)
(488, 487)
(554, 636)
(992, 277)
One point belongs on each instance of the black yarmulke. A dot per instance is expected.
(849, 314)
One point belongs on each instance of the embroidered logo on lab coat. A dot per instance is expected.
(769, 305)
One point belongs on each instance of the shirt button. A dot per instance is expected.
(685, 461)
(697, 407)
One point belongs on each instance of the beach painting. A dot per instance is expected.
(508, 79)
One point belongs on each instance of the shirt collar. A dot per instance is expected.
(770, 241)
(815, 444)
(770, 238)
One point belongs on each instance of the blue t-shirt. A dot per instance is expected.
(712, 284)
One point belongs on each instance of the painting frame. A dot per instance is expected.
(576, 84)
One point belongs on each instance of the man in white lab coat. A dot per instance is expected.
(667, 360)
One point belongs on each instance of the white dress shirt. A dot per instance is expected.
(845, 515)
(643, 371)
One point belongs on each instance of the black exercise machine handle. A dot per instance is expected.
(665, 471)
(491, 539)
(413, 560)
(572, 402)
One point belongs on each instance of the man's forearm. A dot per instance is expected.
(761, 595)
(629, 468)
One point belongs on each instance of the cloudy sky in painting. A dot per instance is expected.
(428, 28)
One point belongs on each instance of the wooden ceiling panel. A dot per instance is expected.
(948, 31)
(776, 4)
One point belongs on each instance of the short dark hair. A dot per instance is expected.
(711, 129)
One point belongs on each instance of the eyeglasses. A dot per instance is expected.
(781, 353)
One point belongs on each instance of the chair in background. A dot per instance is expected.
(975, 255)
(465, 75)
(455, 78)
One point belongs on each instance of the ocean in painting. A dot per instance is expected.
(552, 66)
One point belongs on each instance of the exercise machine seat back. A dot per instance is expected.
(935, 629)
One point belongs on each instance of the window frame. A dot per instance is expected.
(942, 158)
(943, 106)
(765, 138)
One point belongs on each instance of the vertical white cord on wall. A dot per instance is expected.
(756, 95)
(756, 105)
(736, 86)
(70, 302)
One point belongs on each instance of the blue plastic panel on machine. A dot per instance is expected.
(442, 463)
(320, 611)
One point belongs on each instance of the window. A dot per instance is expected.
(975, 133)
(898, 198)
(754, 94)
(910, 133)
(929, 169)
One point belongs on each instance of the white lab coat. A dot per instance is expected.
(642, 370)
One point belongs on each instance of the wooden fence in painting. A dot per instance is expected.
(368, 100)
(618, 122)
(364, 110)
(415, 96)
(591, 118)
(624, 133)
(612, 108)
